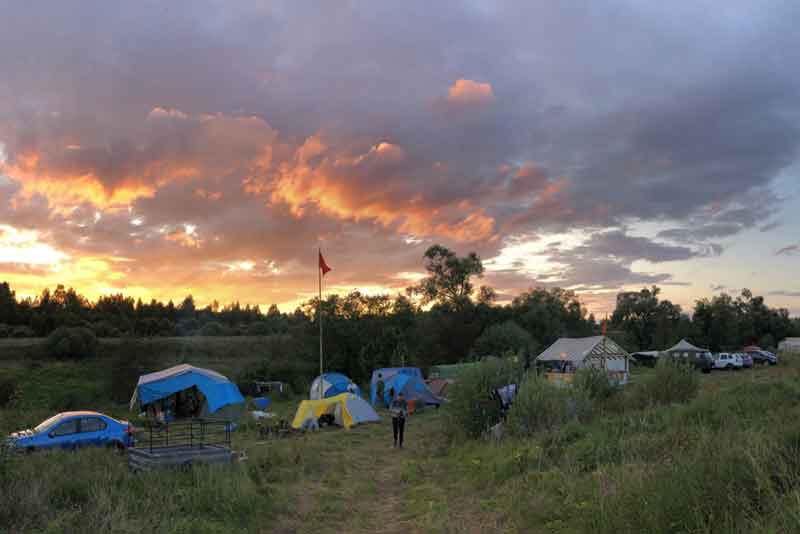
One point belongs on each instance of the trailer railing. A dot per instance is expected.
(182, 434)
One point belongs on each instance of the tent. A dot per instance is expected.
(645, 357)
(348, 409)
(438, 386)
(385, 374)
(413, 389)
(451, 371)
(332, 385)
(221, 397)
(685, 348)
(570, 354)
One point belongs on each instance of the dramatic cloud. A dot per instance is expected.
(789, 250)
(470, 92)
(212, 148)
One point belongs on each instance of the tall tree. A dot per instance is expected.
(449, 277)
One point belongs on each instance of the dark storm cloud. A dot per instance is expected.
(265, 127)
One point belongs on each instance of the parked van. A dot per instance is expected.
(730, 362)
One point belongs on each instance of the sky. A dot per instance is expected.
(210, 147)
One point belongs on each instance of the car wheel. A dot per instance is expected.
(729, 367)
(116, 446)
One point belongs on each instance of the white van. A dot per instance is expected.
(725, 360)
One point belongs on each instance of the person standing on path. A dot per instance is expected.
(399, 410)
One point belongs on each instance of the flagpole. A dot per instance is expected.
(319, 317)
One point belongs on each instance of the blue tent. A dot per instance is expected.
(385, 374)
(222, 397)
(412, 388)
(332, 384)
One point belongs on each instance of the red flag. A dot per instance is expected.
(323, 265)
(603, 328)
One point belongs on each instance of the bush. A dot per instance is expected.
(22, 331)
(213, 328)
(471, 411)
(259, 328)
(72, 343)
(594, 383)
(105, 329)
(672, 382)
(285, 360)
(540, 405)
(5, 330)
(131, 359)
(499, 339)
(8, 390)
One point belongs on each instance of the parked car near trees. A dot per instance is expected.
(72, 430)
(727, 361)
(747, 360)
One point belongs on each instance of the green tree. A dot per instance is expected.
(499, 339)
(449, 277)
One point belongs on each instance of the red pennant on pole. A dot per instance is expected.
(322, 265)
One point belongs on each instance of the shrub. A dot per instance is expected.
(259, 328)
(5, 330)
(471, 411)
(594, 383)
(105, 329)
(672, 382)
(540, 405)
(8, 390)
(214, 328)
(131, 359)
(22, 331)
(502, 338)
(72, 343)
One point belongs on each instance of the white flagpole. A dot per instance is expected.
(319, 317)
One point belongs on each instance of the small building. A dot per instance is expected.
(564, 357)
(790, 344)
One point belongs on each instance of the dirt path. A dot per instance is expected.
(360, 487)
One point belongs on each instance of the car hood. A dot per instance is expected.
(22, 434)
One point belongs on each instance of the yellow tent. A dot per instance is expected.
(348, 409)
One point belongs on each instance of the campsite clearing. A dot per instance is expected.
(626, 472)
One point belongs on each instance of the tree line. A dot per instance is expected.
(442, 319)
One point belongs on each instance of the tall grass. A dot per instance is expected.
(471, 411)
(540, 406)
(671, 382)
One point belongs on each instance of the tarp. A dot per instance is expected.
(507, 394)
(332, 384)
(412, 388)
(219, 392)
(385, 374)
(348, 410)
(438, 386)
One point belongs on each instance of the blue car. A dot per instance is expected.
(71, 430)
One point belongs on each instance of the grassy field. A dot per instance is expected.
(728, 461)
(226, 354)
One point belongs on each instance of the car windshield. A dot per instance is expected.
(47, 423)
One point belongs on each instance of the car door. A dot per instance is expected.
(64, 434)
(92, 432)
